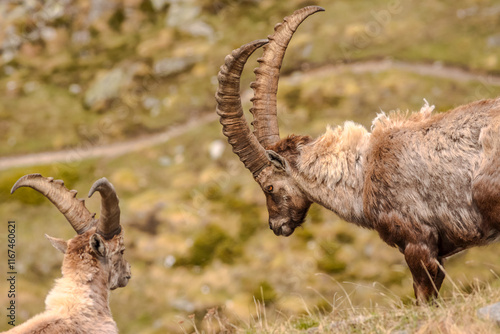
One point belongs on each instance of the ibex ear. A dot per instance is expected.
(59, 244)
(97, 245)
(277, 160)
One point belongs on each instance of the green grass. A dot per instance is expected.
(452, 315)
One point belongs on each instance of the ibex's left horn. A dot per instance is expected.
(265, 87)
(65, 200)
(109, 220)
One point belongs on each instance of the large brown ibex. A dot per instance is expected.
(93, 262)
(429, 184)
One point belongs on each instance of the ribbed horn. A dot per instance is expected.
(65, 200)
(109, 221)
(265, 87)
(234, 124)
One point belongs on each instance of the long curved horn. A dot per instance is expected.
(109, 221)
(265, 87)
(234, 124)
(65, 200)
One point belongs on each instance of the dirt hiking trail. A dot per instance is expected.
(120, 148)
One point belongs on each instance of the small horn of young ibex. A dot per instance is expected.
(93, 262)
(429, 184)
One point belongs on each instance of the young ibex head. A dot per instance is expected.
(270, 159)
(98, 240)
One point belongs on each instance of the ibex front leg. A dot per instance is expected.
(425, 267)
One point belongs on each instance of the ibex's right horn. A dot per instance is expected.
(109, 220)
(65, 200)
(234, 124)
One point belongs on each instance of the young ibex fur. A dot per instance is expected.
(428, 184)
(93, 262)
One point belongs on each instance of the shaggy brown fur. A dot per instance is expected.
(428, 184)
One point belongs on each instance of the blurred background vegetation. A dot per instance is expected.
(75, 75)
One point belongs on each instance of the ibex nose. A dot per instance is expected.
(280, 228)
(275, 227)
(129, 271)
(277, 231)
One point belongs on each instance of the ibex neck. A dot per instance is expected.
(80, 290)
(330, 171)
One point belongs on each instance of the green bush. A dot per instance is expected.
(210, 244)
(228, 250)
(315, 214)
(250, 223)
(329, 262)
(345, 237)
(250, 220)
(116, 20)
(304, 233)
(265, 293)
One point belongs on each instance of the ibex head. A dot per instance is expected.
(102, 238)
(270, 159)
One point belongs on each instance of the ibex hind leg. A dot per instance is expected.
(486, 182)
(486, 194)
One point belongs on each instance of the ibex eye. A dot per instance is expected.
(270, 188)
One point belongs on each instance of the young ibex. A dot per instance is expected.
(428, 184)
(93, 262)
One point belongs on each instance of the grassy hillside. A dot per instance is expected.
(457, 314)
(79, 75)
